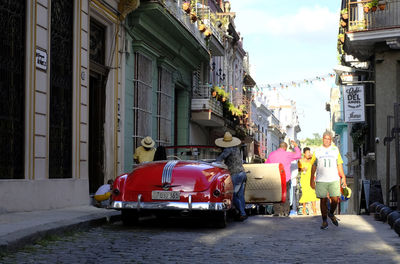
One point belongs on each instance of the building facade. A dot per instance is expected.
(65, 67)
(221, 97)
(286, 112)
(168, 53)
(84, 81)
(372, 38)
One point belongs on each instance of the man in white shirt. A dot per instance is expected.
(329, 168)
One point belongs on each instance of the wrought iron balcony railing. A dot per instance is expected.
(204, 13)
(175, 8)
(202, 91)
(203, 100)
(361, 20)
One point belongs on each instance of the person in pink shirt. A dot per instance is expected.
(285, 157)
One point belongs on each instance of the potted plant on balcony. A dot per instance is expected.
(367, 7)
(345, 14)
(382, 4)
(219, 94)
(186, 7)
(202, 27)
(193, 16)
(341, 38)
(343, 23)
(215, 92)
(374, 5)
(207, 33)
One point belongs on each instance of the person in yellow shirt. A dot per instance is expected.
(145, 152)
(308, 194)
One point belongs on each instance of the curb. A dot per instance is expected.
(18, 240)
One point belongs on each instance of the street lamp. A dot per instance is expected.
(220, 74)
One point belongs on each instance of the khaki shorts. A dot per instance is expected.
(322, 189)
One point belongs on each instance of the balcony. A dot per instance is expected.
(206, 111)
(175, 8)
(365, 29)
(217, 40)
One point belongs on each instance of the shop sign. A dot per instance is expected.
(354, 107)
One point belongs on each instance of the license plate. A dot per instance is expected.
(165, 195)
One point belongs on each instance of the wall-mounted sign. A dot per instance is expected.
(348, 77)
(41, 59)
(354, 108)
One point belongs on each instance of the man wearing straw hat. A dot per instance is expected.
(232, 157)
(145, 152)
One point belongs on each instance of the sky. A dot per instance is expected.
(292, 40)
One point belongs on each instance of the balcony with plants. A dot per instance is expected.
(211, 107)
(213, 23)
(365, 23)
(237, 118)
(207, 105)
(373, 15)
(187, 13)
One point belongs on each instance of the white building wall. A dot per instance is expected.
(285, 111)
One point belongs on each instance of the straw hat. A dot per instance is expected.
(227, 141)
(148, 142)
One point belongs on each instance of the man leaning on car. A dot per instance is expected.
(231, 156)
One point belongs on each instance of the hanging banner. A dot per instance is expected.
(354, 108)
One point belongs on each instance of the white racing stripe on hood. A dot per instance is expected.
(167, 172)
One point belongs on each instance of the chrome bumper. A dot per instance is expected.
(169, 206)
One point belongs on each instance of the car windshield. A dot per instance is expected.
(204, 153)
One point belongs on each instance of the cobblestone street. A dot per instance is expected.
(260, 239)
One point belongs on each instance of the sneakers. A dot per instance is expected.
(324, 225)
(333, 219)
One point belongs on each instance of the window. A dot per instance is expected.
(12, 89)
(142, 95)
(164, 107)
(97, 42)
(61, 52)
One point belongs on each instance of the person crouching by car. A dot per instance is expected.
(103, 194)
(233, 160)
(145, 152)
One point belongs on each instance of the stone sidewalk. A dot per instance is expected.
(21, 228)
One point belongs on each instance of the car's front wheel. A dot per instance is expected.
(129, 217)
(220, 219)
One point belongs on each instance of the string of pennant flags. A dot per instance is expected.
(298, 83)
(283, 85)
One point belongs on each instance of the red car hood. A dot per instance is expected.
(187, 176)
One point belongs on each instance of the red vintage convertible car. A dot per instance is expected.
(190, 184)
